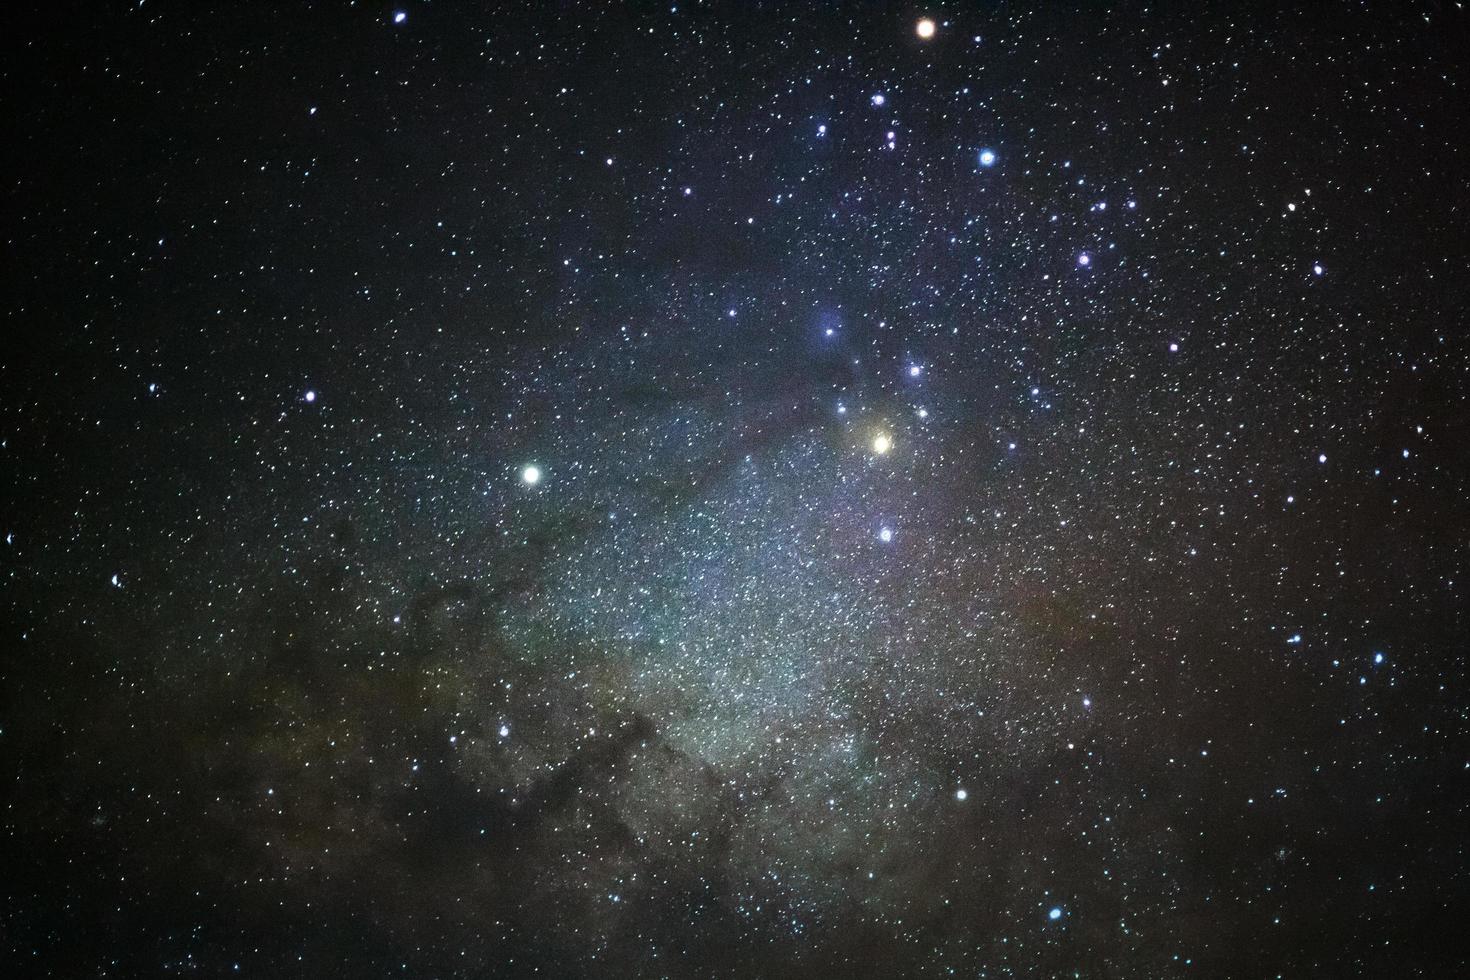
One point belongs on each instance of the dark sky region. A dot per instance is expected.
(735, 490)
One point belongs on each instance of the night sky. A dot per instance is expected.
(735, 489)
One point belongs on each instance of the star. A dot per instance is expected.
(962, 794)
(924, 28)
(531, 475)
(882, 443)
(399, 17)
(987, 158)
(1055, 913)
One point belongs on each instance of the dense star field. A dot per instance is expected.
(735, 489)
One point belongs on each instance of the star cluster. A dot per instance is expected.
(693, 490)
